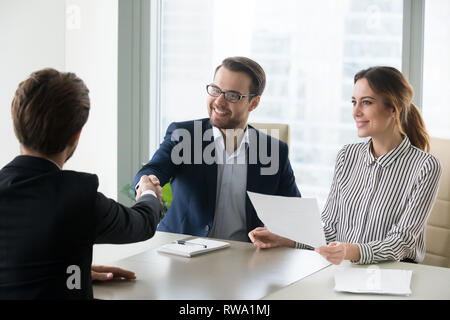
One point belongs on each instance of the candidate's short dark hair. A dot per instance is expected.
(249, 67)
(48, 109)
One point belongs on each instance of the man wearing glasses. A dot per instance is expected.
(209, 197)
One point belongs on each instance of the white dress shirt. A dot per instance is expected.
(230, 214)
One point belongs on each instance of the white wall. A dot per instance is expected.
(91, 52)
(33, 35)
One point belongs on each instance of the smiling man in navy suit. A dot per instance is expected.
(212, 162)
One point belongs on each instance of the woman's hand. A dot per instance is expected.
(263, 238)
(336, 252)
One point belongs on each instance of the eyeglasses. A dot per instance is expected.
(230, 96)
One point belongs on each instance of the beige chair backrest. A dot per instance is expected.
(438, 225)
(283, 130)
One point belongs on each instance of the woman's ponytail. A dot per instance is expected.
(414, 128)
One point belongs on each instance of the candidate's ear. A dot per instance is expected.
(254, 103)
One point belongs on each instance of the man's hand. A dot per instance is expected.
(157, 184)
(263, 238)
(149, 183)
(104, 273)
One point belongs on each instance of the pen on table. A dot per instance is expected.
(183, 242)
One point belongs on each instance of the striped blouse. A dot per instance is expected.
(382, 205)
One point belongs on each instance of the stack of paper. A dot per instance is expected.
(193, 247)
(373, 280)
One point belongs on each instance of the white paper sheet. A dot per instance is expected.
(293, 218)
(373, 280)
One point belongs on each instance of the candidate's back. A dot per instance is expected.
(46, 226)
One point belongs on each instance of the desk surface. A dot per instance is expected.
(236, 273)
(242, 272)
(427, 282)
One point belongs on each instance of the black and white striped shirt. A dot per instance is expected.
(382, 205)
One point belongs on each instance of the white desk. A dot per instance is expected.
(242, 272)
(427, 282)
(236, 273)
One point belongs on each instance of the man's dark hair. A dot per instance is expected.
(249, 67)
(48, 109)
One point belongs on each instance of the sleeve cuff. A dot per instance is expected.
(366, 254)
(303, 246)
(151, 192)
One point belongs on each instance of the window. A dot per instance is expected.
(310, 51)
(436, 75)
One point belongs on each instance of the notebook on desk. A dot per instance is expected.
(192, 247)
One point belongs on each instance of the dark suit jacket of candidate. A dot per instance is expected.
(194, 185)
(50, 219)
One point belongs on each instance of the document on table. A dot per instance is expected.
(294, 218)
(373, 280)
(193, 247)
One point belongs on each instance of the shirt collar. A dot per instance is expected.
(388, 158)
(218, 139)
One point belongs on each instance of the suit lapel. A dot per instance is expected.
(211, 172)
(253, 170)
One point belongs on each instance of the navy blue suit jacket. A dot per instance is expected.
(194, 185)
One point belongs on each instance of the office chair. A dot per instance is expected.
(283, 130)
(438, 224)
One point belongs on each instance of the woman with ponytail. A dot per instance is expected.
(383, 190)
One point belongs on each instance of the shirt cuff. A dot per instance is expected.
(303, 246)
(151, 192)
(366, 253)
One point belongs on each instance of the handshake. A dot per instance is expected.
(151, 183)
